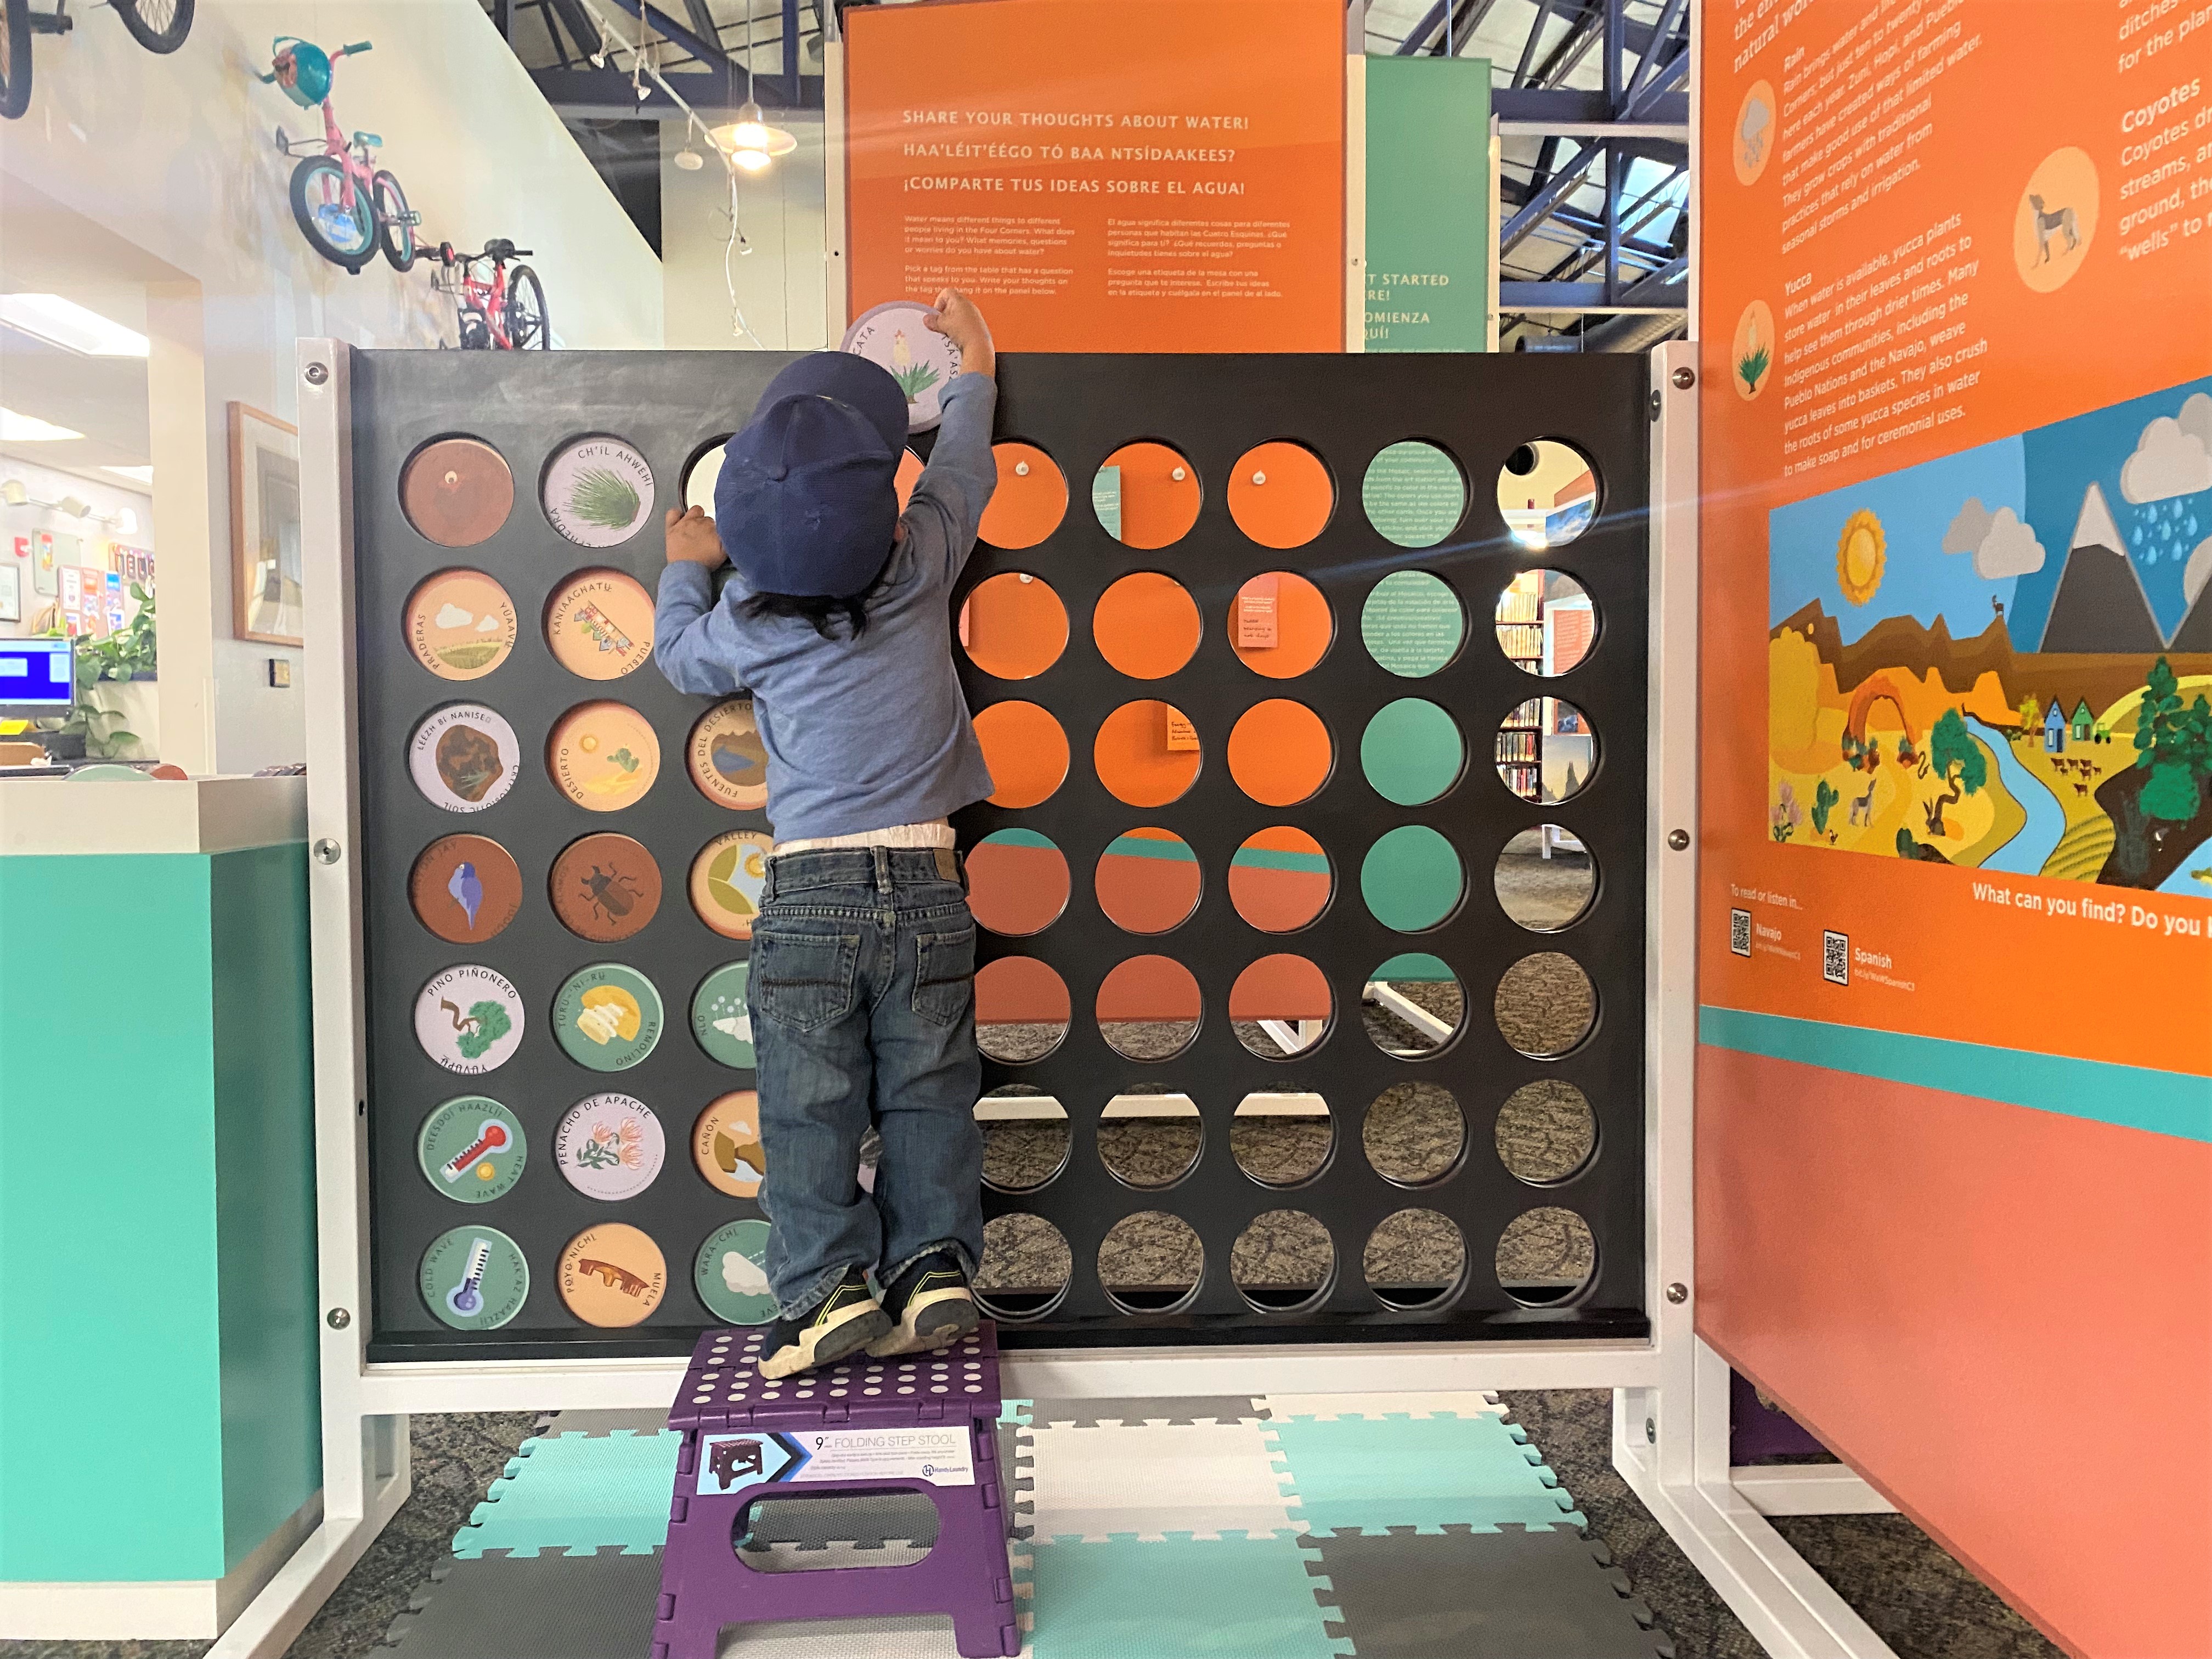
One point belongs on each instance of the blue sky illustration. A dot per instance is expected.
(1915, 507)
(2043, 476)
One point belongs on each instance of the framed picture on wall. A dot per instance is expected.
(11, 594)
(266, 601)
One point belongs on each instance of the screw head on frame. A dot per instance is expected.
(337, 1319)
(317, 373)
(1679, 840)
(1678, 1292)
(326, 851)
(1684, 379)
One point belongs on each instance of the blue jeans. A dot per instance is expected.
(863, 1003)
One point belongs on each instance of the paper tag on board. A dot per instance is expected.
(1256, 627)
(1182, 734)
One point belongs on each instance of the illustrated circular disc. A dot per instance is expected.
(457, 491)
(463, 757)
(599, 624)
(728, 761)
(898, 337)
(469, 1019)
(726, 1144)
(474, 1279)
(721, 1018)
(732, 1273)
(604, 887)
(612, 1275)
(607, 1017)
(472, 1149)
(610, 1147)
(460, 624)
(706, 473)
(598, 491)
(727, 878)
(603, 755)
(465, 887)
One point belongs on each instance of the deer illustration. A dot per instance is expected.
(1863, 808)
(2062, 221)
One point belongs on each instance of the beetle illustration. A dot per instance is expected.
(612, 893)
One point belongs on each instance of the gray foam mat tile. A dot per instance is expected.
(543, 1607)
(1512, 1594)
(645, 1420)
(870, 1521)
(1184, 1409)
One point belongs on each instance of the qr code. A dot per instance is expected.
(1836, 958)
(1740, 932)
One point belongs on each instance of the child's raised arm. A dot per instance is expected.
(686, 622)
(956, 486)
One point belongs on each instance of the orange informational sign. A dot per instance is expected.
(1102, 175)
(1959, 520)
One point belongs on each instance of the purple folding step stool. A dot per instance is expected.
(923, 1423)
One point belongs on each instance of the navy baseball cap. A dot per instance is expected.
(807, 499)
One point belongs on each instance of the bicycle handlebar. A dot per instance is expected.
(353, 50)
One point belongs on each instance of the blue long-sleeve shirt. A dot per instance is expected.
(862, 733)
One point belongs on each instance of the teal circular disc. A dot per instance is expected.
(607, 1017)
(1413, 624)
(732, 1273)
(472, 1149)
(1411, 751)
(1411, 878)
(721, 1018)
(474, 1279)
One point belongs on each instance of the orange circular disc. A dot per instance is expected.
(1013, 625)
(1025, 749)
(1146, 753)
(465, 889)
(1279, 753)
(727, 759)
(1281, 495)
(603, 755)
(1147, 494)
(1017, 882)
(456, 491)
(1030, 501)
(1146, 625)
(908, 476)
(1281, 625)
(460, 624)
(599, 624)
(604, 887)
(612, 1275)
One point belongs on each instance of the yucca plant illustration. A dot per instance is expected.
(913, 378)
(603, 498)
(1752, 366)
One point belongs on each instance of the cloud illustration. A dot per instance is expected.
(2173, 457)
(2001, 545)
(487, 624)
(451, 615)
(743, 1275)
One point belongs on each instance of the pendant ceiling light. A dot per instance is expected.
(749, 141)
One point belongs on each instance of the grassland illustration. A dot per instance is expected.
(2002, 659)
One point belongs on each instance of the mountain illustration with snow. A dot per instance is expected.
(2100, 605)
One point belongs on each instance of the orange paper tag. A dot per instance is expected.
(1182, 734)
(1255, 615)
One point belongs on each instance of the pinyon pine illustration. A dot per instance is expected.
(603, 498)
(485, 1023)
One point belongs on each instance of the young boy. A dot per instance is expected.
(864, 954)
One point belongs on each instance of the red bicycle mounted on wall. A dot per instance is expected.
(504, 314)
(346, 207)
(157, 25)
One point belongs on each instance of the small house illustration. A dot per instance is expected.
(2085, 723)
(2054, 728)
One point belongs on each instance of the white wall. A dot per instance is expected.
(42, 483)
(162, 171)
(780, 283)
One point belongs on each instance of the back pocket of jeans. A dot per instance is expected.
(803, 981)
(943, 974)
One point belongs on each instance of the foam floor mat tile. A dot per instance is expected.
(1181, 1409)
(649, 1420)
(1374, 1474)
(1327, 1406)
(1147, 1480)
(577, 1493)
(1512, 1594)
(1230, 1597)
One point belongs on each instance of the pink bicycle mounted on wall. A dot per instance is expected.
(346, 207)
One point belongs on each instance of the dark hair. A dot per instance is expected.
(820, 610)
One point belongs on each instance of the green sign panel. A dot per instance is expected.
(1430, 241)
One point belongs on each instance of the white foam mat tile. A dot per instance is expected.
(1203, 1479)
(1329, 1407)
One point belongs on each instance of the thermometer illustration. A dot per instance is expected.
(466, 1297)
(491, 1136)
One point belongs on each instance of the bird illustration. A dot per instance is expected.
(467, 890)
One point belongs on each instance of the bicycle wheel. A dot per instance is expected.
(526, 327)
(393, 229)
(475, 330)
(343, 236)
(14, 58)
(156, 25)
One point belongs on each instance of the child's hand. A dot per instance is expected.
(958, 321)
(692, 539)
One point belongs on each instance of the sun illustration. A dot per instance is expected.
(1861, 555)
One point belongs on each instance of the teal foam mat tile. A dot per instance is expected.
(577, 1493)
(1374, 1474)
(1231, 1597)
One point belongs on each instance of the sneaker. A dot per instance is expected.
(849, 1318)
(931, 1306)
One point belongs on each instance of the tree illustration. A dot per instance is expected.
(2174, 746)
(487, 1023)
(1958, 760)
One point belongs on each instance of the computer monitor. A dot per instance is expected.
(38, 678)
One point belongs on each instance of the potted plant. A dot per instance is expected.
(129, 654)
